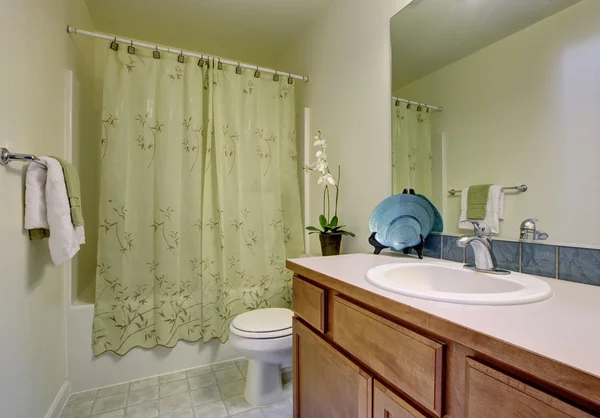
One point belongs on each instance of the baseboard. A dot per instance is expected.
(60, 401)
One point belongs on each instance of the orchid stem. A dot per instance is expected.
(337, 189)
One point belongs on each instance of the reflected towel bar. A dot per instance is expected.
(6, 157)
(520, 188)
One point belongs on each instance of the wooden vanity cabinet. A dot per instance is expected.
(358, 355)
(327, 383)
(386, 404)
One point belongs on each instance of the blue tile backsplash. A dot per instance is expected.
(538, 259)
(433, 246)
(451, 251)
(581, 265)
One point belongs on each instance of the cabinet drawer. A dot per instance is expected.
(309, 303)
(491, 393)
(409, 361)
(386, 404)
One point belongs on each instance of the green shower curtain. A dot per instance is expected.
(200, 204)
(411, 150)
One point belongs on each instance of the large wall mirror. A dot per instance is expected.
(501, 92)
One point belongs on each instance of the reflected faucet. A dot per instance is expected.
(481, 241)
(528, 231)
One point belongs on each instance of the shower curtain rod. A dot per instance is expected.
(398, 100)
(131, 42)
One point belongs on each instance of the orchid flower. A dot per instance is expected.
(326, 179)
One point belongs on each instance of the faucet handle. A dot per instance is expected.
(481, 229)
(529, 224)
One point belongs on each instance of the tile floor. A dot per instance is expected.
(215, 391)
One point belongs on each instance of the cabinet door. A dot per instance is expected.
(493, 394)
(326, 383)
(387, 404)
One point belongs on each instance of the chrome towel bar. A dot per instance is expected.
(6, 157)
(521, 188)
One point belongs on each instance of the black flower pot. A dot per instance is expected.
(330, 244)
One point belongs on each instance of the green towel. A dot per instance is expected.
(73, 192)
(477, 201)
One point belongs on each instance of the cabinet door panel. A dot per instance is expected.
(326, 383)
(387, 404)
(407, 360)
(493, 394)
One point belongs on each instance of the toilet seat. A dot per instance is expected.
(263, 323)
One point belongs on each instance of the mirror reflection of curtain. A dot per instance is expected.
(200, 203)
(411, 151)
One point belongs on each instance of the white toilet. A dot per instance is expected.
(264, 336)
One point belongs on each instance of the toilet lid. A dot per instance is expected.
(264, 323)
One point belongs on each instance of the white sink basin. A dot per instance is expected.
(458, 285)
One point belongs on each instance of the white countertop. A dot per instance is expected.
(565, 328)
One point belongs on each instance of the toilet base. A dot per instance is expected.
(263, 383)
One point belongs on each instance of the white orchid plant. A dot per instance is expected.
(329, 225)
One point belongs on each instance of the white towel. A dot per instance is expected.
(65, 240)
(35, 198)
(494, 212)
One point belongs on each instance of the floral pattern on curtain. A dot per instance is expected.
(411, 151)
(200, 203)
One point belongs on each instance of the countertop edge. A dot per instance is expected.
(358, 293)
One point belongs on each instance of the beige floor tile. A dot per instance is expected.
(244, 369)
(211, 410)
(165, 378)
(77, 410)
(119, 413)
(241, 362)
(206, 395)
(279, 410)
(113, 390)
(175, 403)
(225, 365)
(204, 381)
(199, 371)
(143, 410)
(142, 395)
(237, 405)
(110, 403)
(169, 389)
(233, 388)
(80, 397)
(144, 383)
(228, 375)
(182, 414)
(255, 413)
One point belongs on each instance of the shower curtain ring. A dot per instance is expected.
(220, 65)
(131, 48)
(114, 45)
(181, 58)
(156, 54)
(276, 76)
(238, 69)
(257, 73)
(408, 106)
(200, 61)
(290, 79)
(419, 107)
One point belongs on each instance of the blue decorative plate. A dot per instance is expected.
(438, 223)
(403, 232)
(391, 219)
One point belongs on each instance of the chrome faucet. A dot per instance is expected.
(528, 231)
(481, 241)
